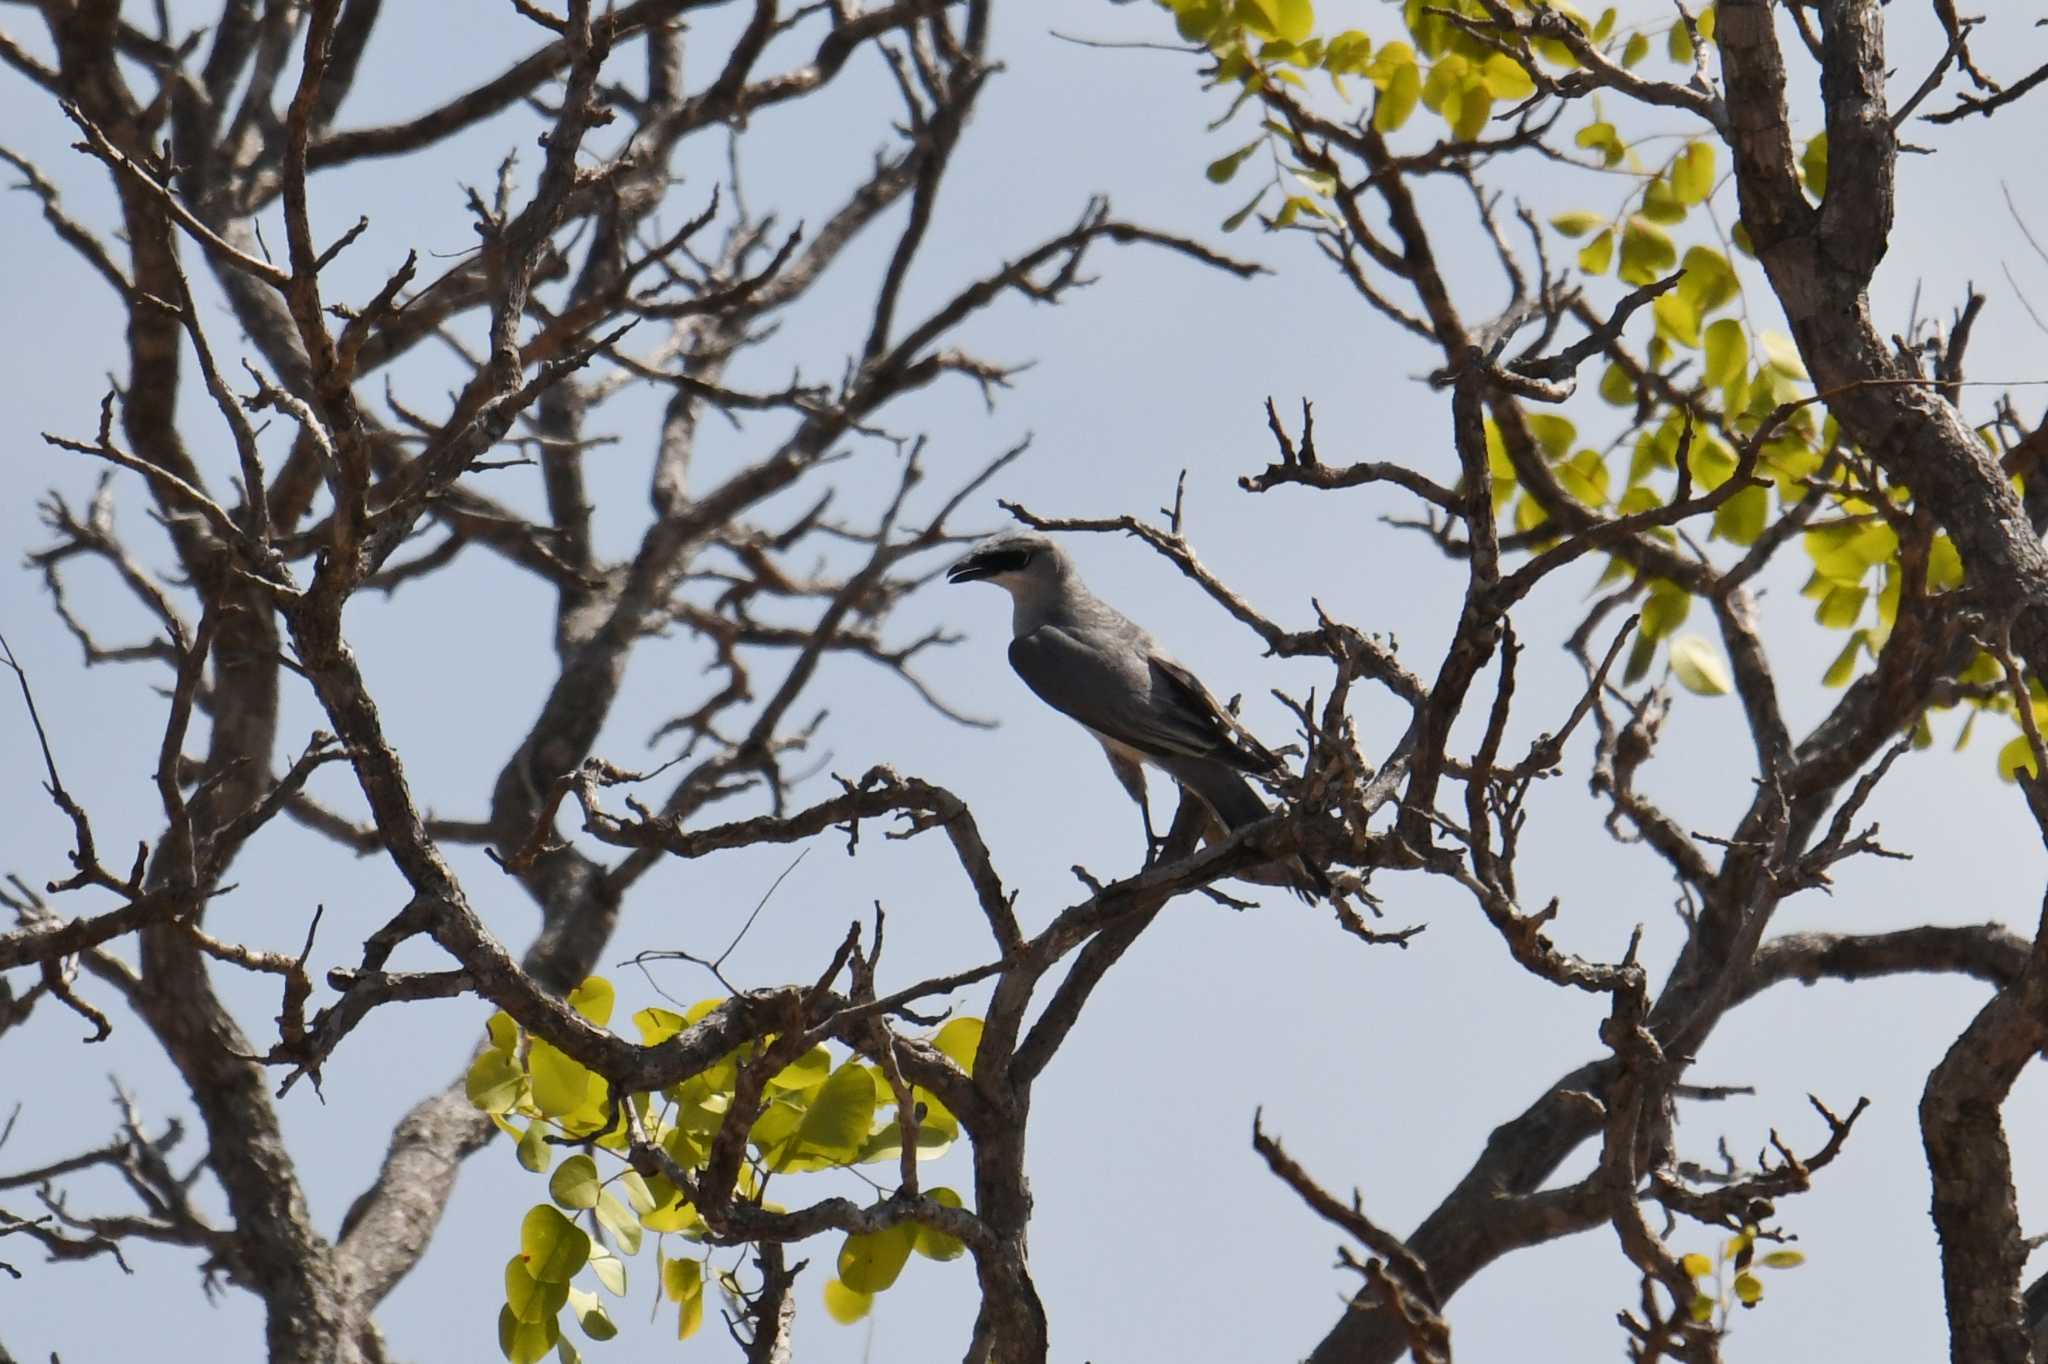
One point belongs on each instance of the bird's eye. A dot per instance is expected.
(1024, 562)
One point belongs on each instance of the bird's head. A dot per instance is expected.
(1015, 561)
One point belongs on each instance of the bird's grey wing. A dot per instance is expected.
(1109, 686)
(1233, 741)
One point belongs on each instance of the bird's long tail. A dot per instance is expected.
(1236, 804)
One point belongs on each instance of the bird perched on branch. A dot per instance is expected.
(1088, 661)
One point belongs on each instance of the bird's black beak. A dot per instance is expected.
(986, 564)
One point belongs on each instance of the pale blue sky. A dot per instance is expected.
(1158, 1234)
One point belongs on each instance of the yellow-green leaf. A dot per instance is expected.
(1749, 1289)
(2016, 757)
(1698, 666)
(1596, 255)
(533, 1150)
(1697, 1265)
(1647, 251)
(526, 1342)
(1813, 165)
(495, 1081)
(1709, 281)
(1844, 667)
(958, 1040)
(561, 1084)
(1839, 609)
(1678, 319)
(845, 1305)
(1781, 355)
(1577, 223)
(1506, 78)
(1223, 167)
(934, 1244)
(1678, 43)
(870, 1261)
(1665, 609)
(593, 999)
(1727, 352)
(1637, 48)
(1783, 1259)
(529, 1298)
(574, 1183)
(1702, 1308)
(554, 1247)
(1692, 173)
(1398, 100)
(1553, 432)
(1740, 520)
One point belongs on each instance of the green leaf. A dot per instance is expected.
(1596, 255)
(574, 1183)
(1638, 47)
(1647, 252)
(845, 1305)
(593, 999)
(1783, 1259)
(958, 1041)
(1749, 1289)
(529, 1298)
(870, 1261)
(1224, 167)
(1727, 352)
(1703, 1308)
(934, 1244)
(1397, 101)
(1692, 173)
(1698, 666)
(495, 1081)
(1813, 166)
(526, 1342)
(1577, 223)
(554, 1247)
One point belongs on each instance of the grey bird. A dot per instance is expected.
(1088, 661)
